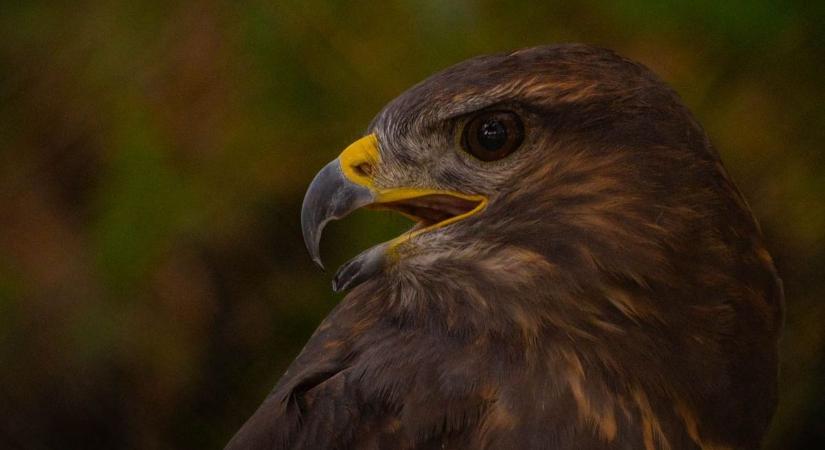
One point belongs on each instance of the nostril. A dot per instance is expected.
(364, 169)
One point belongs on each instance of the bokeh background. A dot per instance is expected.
(153, 156)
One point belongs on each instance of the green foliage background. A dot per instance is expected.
(153, 155)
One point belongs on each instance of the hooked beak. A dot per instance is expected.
(334, 192)
(347, 184)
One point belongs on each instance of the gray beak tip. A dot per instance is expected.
(330, 196)
(359, 269)
(317, 261)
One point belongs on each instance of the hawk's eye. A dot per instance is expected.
(492, 135)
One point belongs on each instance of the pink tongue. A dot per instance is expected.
(445, 205)
(432, 209)
(429, 214)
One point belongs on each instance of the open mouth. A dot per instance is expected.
(432, 211)
(346, 184)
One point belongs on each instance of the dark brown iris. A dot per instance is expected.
(492, 135)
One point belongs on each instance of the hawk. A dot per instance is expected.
(582, 274)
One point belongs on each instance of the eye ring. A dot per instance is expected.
(492, 135)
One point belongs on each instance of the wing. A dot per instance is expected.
(311, 406)
(366, 381)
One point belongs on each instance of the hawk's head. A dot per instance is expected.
(566, 194)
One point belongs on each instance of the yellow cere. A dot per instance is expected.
(361, 153)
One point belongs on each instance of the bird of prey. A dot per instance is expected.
(583, 274)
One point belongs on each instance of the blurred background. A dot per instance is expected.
(153, 156)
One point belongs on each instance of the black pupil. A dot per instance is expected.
(492, 135)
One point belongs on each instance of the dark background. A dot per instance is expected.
(153, 280)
